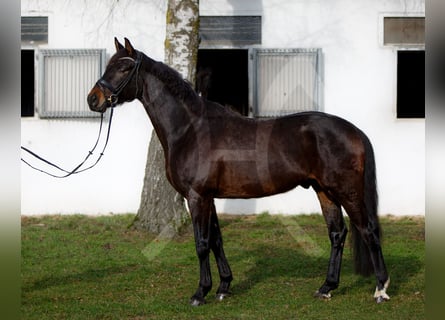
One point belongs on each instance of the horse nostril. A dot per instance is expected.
(92, 100)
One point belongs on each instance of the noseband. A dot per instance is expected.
(115, 92)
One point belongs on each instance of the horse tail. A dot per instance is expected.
(361, 253)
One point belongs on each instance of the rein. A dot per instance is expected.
(77, 168)
(113, 100)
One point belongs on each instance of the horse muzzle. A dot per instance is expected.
(97, 101)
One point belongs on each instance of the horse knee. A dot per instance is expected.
(202, 248)
(338, 238)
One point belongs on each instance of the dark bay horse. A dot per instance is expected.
(212, 152)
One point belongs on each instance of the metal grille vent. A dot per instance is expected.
(287, 81)
(66, 76)
(230, 30)
(34, 29)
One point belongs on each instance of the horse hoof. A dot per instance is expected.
(324, 296)
(381, 295)
(195, 302)
(222, 296)
(381, 299)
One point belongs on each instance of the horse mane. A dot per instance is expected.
(175, 83)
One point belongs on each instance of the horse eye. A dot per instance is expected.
(124, 67)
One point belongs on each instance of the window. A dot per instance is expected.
(286, 81)
(411, 84)
(223, 75)
(66, 77)
(407, 35)
(27, 83)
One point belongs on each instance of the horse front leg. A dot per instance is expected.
(200, 212)
(225, 274)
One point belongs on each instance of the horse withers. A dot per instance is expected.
(212, 152)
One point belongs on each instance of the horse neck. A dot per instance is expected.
(172, 115)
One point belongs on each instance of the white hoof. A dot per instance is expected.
(196, 303)
(381, 299)
(381, 295)
(325, 296)
(221, 296)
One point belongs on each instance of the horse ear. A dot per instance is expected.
(129, 47)
(117, 44)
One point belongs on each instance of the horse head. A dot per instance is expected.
(119, 82)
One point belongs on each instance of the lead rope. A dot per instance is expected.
(77, 168)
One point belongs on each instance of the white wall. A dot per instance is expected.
(359, 85)
(115, 184)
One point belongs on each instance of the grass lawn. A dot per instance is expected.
(79, 267)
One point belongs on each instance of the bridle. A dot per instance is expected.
(115, 92)
(113, 100)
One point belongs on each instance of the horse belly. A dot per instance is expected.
(249, 179)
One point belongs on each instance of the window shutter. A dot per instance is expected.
(286, 81)
(66, 77)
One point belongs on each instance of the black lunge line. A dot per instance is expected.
(77, 168)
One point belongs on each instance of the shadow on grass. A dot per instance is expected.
(401, 269)
(267, 263)
(272, 262)
(91, 275)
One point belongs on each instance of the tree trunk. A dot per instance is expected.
(162, 210)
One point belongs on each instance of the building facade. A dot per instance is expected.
(360, 60)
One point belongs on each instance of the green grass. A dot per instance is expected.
(78, 267)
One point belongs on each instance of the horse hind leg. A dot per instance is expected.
(370, 235)
(216, 244)
(368, 256)
(337, 235)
